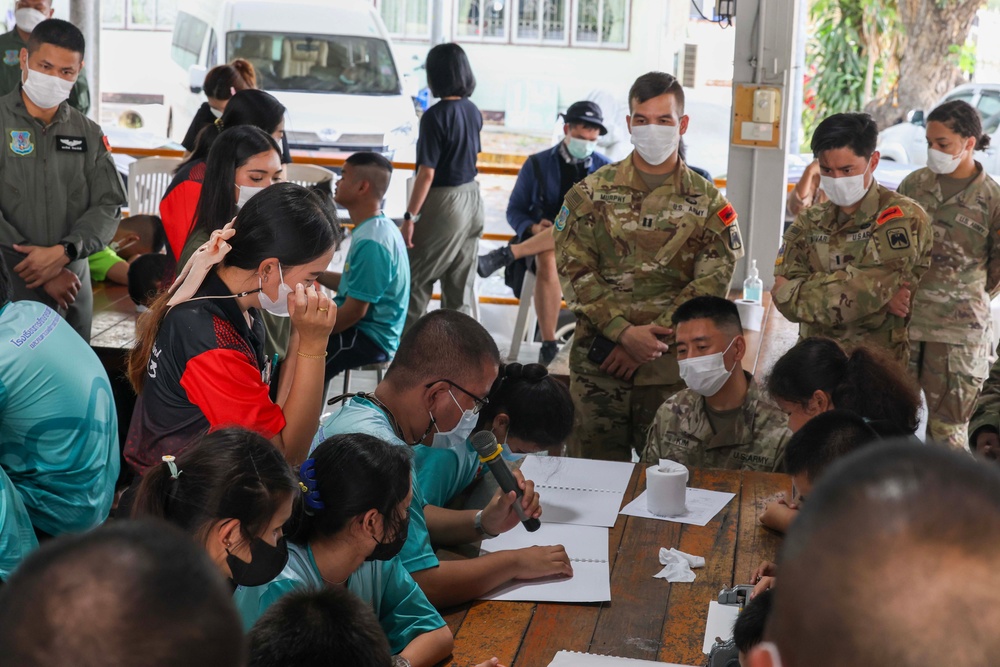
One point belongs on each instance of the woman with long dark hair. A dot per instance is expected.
(198, 362)
(221, 83)
(445, 214)
(247, 107)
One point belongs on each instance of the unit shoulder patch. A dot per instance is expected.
(727, 214)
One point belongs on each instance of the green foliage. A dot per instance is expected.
(965, 57)
(851, 56)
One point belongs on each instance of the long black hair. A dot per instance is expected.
(354, 473)
(233, 148)
(246, 107)
(539, 407)
(232, 473)
(286, 221)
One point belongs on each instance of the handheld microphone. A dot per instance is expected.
(489, 450)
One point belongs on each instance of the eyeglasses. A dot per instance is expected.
(480, 402)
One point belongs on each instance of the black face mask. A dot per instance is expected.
(390, 549)
(266, 563)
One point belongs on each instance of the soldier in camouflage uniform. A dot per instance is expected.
(634, 240)
(984, 428)
(951, 333)
(722, 419)
(847, 267)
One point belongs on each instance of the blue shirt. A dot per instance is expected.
(377, 271)
(361, 416)
(58, 426)
(401, 607)
(17, 537)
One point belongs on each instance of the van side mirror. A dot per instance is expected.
(915, 116)
(196, 77)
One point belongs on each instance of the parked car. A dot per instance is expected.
(906, 142)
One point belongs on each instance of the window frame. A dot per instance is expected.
(568, 25)
(127, 22)
(600, 43)
(480, 39)
(408, 37)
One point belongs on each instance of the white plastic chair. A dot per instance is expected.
(307, 175)
(524, 327)
(148, 179)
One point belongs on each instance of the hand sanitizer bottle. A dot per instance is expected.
(753, 286)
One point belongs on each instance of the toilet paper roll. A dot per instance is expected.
(666, 487)
(751, 314)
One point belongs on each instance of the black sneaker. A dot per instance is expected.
(550, 348)
(494, 260)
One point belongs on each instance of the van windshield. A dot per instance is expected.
(317, 63)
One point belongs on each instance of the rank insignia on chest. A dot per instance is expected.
(20, 142)
(10, 56)
(727, 215)
(888, 214)
(898, 239)
(647, 222)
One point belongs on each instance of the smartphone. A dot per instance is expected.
(600, 350)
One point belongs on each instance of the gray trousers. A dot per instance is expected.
(445, 246)
(79, 315)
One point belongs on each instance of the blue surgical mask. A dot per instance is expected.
(580, 149)
(506, 454)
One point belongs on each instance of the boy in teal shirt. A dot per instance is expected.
(374, 288)
(58, 426)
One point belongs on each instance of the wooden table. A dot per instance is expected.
(647, 618)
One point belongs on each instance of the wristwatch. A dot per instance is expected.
(411, 217)
(479, 526)
(70, 250)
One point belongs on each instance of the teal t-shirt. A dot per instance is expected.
(401, 607)
(361, 416)
(17, 537)
(443, 473)
(101, 262)
(377, 271)
(58, 426)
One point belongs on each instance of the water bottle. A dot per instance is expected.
(753, 286)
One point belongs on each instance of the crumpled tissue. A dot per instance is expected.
(678, 565)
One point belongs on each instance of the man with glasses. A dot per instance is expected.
(429, 400)
(721, 420)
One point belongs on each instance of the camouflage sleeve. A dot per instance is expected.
(577, 260)
(988, 406)
(715, 263)
(657, 443)
(993, 251)
(896, 254)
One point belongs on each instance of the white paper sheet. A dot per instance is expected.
(719, 624)
(578, 491)
(574, 659)
(587, 547)
(702, 506)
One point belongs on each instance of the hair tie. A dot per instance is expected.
(307, 484)
(169, 460)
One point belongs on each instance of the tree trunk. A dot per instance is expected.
(927, 70)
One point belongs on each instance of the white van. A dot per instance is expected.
(330, 62)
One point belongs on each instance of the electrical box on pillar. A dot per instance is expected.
(725, 10)
(757, 116)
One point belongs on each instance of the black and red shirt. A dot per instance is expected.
(206, 372)
(179, 204)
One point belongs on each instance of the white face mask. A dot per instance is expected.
(846, 190)
(580, 149)
(246, 192)
(655, 143)
(456, 437)
(278, 307)
(45, 90)
(27, 18)
(943, 163)
(706, 375)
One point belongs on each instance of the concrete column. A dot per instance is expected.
(765, 54)
(86, 15)
(438, 19)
